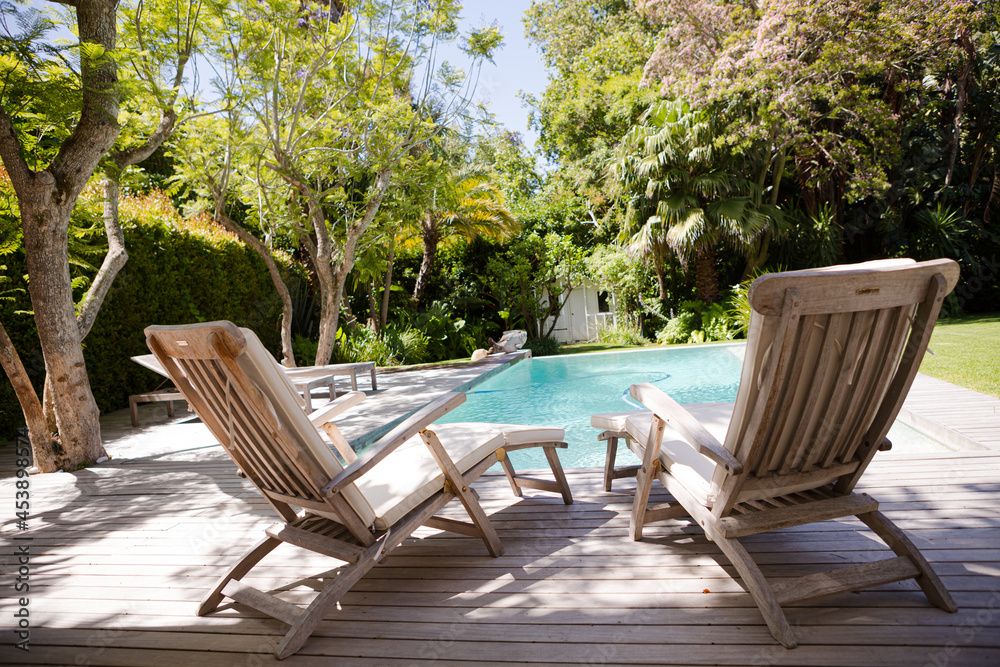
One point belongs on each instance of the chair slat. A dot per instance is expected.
(755, 435)
(806, 333)
(897, 340)
(864, 386)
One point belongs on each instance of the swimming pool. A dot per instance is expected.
(565, 390)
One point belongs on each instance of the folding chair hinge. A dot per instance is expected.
(381, 547)
(501, 454)
(448, 488)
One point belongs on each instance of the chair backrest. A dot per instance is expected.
(247, 402)
(830, 356)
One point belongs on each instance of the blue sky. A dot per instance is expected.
(518, 65)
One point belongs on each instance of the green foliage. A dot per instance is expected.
(413, 345)
(595, 52)
(388, 347)
(304, 349)
(447, 336)
(542, 347)
(678, 328)
(531, 279)
(698, 322)
(363, 344)
(622, 332)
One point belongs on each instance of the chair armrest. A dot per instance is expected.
(393, 439)
(686, 425)
(336, 407)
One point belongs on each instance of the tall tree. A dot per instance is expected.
(47, 191)
(831, 82)
(341, 94)
(595, 51)
(463, 203)
(686, 193)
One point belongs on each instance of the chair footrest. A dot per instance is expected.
(263, 602)
(783, 517)
(844, 579)
(453, 526)
(540, 484)
(625, 471)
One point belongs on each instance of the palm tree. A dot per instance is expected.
(684, 192)
(465, 203)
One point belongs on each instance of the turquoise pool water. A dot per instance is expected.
(565, 390)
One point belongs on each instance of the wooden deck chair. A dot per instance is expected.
(830, 356)
(355, 514)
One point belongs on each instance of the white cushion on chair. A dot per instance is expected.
(267, 375)
(514, 434)
(406, 477)
(688, 466)
(410, 475)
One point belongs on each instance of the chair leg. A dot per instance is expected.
(464, 493)
(508, 470)
(609, 462)
(644, 484)
(898, 541)
(306, 624)
(759, 589)
(557, 471)
(237, 572)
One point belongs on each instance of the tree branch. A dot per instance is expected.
(10, 152)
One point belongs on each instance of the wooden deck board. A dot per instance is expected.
(122, 553)
(960, 417)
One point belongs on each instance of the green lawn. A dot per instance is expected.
(966, 353)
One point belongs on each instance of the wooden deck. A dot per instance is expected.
(121, 553)
(961, 418)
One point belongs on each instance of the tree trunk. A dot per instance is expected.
(46, 200)
(387, 286)
(661, 280)
(431, 236)
(46, 251)
(287, 354)
(113, 261)
(706, 278)
(44, 456)
(332, 275)
(373, 320)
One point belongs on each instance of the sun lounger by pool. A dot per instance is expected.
(355, 512)
(830, 356)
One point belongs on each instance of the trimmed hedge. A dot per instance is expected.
(178, 272)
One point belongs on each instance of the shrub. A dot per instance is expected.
(698, 322)
(413, 345)
(363, 344)
(622, 332)
(678, 328)
(304, 350)
(542, 347)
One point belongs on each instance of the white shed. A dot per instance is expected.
(588, 308)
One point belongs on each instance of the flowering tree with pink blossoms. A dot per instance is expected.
(824, 84)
